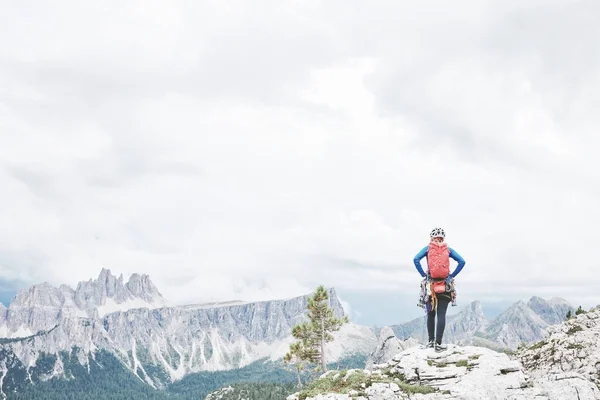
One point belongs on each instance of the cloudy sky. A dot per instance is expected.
(253, 150)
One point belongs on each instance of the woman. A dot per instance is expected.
(438, 275)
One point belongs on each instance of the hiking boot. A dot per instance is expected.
(440, 347)
(429, 345)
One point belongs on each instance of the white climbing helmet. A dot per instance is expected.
(437, 232)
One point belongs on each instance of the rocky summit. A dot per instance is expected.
(565, 365)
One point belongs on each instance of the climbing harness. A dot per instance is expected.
(428, 298)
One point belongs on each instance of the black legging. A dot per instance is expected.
(442, 307)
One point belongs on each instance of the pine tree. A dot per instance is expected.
(569, 314)
(295, 357)
(315, 333)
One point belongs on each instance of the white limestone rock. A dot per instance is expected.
(387, 346)
(565, 366)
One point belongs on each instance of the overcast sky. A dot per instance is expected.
(255, 149)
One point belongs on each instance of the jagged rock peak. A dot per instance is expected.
(552, 311)
(90, 294)
(141, 286)
(388, 345)
(475, 306)
(41, 293)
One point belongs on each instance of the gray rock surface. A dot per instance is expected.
(564, 366)
(567, 361)
(388, 345)
(552, 311)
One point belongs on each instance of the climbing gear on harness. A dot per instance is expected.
(430, 288)
(451, 288)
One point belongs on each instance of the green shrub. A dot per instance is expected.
(573, 329)
(335, 383)
(538, 345)
(574, 347)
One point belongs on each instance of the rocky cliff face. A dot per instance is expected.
(552, 311)
(160, 344)
(388, 345)
(563, 366)
(568, 356)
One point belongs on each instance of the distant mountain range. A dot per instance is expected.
(50, 334)
(520, 323)
(157, 342)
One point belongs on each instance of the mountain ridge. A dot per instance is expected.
(521, 322)
(158, 343)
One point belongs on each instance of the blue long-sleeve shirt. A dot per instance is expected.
(453, 254)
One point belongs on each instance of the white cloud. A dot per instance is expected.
(251, 152)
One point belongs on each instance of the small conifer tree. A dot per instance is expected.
(316, 332)
(295, 357)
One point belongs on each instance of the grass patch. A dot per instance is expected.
(538, 345)
(574, 347)
(335, 383)
(359, 381)
(573, 329)
(474, 357)
(416, 389)
(459, 363)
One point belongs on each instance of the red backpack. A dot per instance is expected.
(438, 263)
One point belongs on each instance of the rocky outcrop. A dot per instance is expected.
(563, 366)
(466, 373)
(388, 345)
(568, 359)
